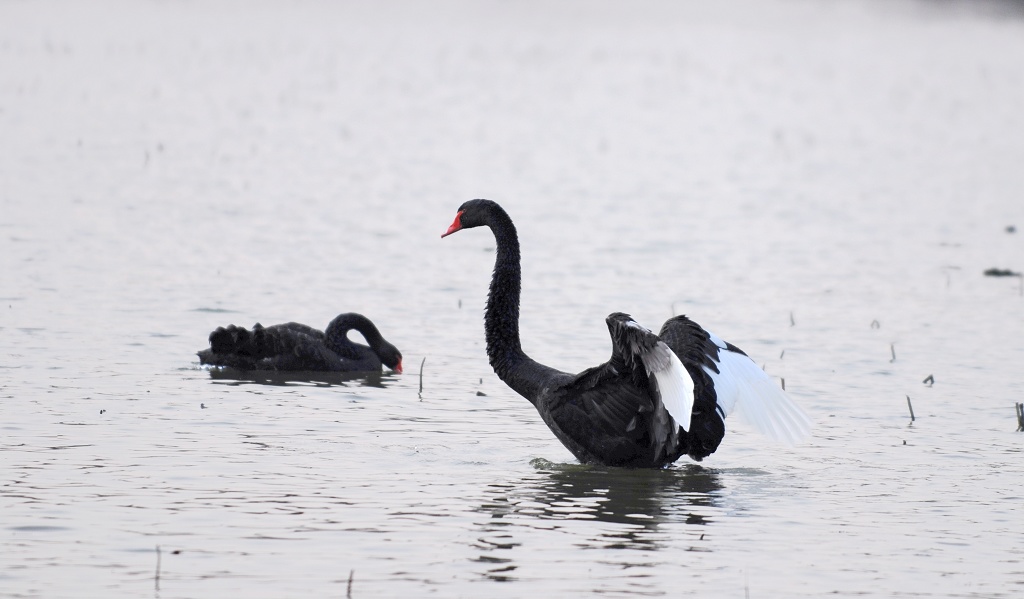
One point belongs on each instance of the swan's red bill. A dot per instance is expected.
(456, 225)
(398, 367)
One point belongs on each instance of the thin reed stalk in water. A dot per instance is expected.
(421, 376)
(909, 405)
(156, 578)
(1020, 416)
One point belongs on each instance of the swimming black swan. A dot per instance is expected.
(658, 396)
(297, 347)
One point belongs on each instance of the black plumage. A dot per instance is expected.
(610, 414)
(298, 347)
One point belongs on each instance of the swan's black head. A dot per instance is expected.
(474, 213)
(390, 356)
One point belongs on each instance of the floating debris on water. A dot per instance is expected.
(929, 380)
(1001, 272)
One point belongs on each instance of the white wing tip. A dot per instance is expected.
(774, 414)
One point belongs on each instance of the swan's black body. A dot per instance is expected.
(609, 414)
(297, 347)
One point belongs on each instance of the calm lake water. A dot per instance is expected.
(820, 183)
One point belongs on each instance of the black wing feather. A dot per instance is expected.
(289, 346)
(612, 410)
(699, 354)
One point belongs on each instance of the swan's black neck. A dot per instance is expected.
(501, 320)
(337, 333)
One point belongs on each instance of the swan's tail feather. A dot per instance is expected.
(234, 339)
(239, 347)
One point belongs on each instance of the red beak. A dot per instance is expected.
(398, 367)
(456, 225)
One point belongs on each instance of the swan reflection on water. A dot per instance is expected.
(629, 505)
(281, 378)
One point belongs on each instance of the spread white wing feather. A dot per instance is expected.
(742, 387)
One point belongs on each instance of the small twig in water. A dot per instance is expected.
(421, 376)
(892, 348)
(1020, 416)
(782, 354)
(348, 593)
(909, 405)
(156, 579)
(875, 324)
(929, 380)
(792, 322)
(783, 383)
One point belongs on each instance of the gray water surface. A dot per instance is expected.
(820, 183)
